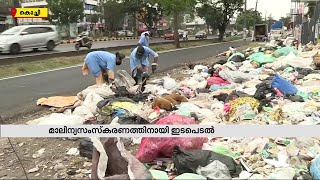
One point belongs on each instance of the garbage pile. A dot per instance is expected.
(260, 85)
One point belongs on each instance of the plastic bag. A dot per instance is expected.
(217, 81)
(261, 58)
(103, 91)
(169, 83)
(283, 85)
(188, 161)
(91, 102)
(220, 149)
(111, 159)
(58, 119)
(152, 148)
(186, 176)
(215, 170)
(237, 57)
(285, 51)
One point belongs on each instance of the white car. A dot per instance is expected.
(126, 33)
(33, 37)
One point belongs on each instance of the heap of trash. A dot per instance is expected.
(271, 84)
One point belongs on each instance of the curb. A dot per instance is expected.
(104, 39)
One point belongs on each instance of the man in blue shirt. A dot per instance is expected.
(144, 39)
(139, 62)
(101, 65)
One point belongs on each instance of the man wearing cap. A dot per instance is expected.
(101, 65)
(144, 39)
(139, 63)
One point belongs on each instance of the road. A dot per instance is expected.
(19, 95)
(99, 44)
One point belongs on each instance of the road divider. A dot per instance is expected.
(104, 39)
(48, 55)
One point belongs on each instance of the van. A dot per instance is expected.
(19, 38)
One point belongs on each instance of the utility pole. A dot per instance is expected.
(15, 4)
(254, 24)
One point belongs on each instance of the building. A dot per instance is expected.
(6, 20)
(31, 4)
(197, 25)
(89, 5)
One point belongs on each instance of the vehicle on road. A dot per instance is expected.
(277, 31)
(19, 38)
(185, 36)
(169, 36)
(125, 33)
(201, 35)
(260, 32)
(83, 40)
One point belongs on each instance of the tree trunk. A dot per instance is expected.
(221, 34)
(175, 28)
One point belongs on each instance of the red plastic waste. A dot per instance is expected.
(152, 148)
(217, 81)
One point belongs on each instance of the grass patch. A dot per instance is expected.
(53, 63)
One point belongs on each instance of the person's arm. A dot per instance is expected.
(110, 70)
(111, 75)
(85, 69)
(154, 54)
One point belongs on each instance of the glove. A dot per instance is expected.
(154, 67)
(145, 75)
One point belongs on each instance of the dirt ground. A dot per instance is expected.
(53, 162)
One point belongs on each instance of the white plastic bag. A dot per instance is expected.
(169, 83)
(91, 102)
(103, 90)
(58, 119)
(83, 111)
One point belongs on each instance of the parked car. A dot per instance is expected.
(201, 35)
(33, 37)
(169, 36)
(128, 33)
(125, 33)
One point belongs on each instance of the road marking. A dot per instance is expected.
(69, 67)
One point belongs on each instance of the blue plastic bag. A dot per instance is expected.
(315, 169)
(283, 85)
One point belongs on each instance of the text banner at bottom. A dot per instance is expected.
(160, 131)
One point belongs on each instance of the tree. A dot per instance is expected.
(250, 16)
(217, 13)
(176, 8)
(270, 22)
(113, 13)
(285, 20)
(149, 12)
(311, 7)
(66, 12)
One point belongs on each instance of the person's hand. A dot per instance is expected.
(145, 75)
(154, 67)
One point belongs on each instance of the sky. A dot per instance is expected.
(278, 8)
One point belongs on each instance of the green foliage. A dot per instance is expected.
(176, 8)
(285, 20)
(98, 9)
(66, 11)
(4, 8)
(113, 13)
(217, 13)
(311, 8)
(251, 17)
(149, 12)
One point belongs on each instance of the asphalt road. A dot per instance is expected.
(99, 44)
(19, 95)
